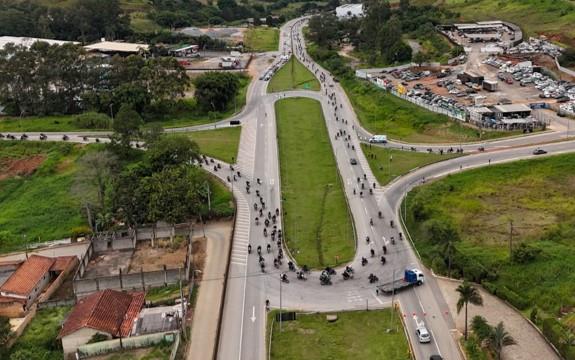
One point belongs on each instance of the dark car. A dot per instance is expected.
(435, 357)
(353, 161)
(539, 152)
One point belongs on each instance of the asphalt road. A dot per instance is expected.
(243, 326)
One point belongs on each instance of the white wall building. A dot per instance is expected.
(349, 10)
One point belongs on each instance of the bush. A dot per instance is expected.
(93, 120)
(80, 231)
(524, 254)
(98, 337)
(507, 294)
(480, 328)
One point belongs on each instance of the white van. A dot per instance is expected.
(378, 139)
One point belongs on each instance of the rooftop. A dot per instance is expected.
(512, 108)
(114, 46)
(27, 276)
(29, 41)
(109, 311)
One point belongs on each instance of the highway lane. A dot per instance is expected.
(243, 325)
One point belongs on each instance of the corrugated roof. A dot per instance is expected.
(25, 278)
(512, 108)
(108, 311)
(113, 46)
(28, 41)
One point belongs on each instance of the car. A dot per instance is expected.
(435, 357)
(353, 161)
(423, 335)
(539, 151)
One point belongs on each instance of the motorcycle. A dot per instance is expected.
(379, 214)
(291, 266)
(382, 260)
(284, 278)
(301, 276)
(373, 278)
(249, 249)
(363, 261)
(391, 223)
(269, 248)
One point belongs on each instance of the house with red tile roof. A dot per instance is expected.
(108, 312)
(29, 280)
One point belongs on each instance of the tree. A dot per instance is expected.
(172, 151)
(498, 339)
(403, 5)
(480, 328)
(126, 127)
(443, 234)
(467, 294)
(420, 58)
(174, 194)
(92, 183)
(214, 90)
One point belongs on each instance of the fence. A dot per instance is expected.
(56, 303)
(134, 281)
(110, 346)
(456, 114)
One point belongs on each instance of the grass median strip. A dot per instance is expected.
(387, 164)
(354, 335)
(293, 76)
(317, 223)
(220, 143)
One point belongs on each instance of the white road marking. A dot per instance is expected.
(378, 299)
(253, 318)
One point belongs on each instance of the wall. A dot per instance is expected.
(71, 342)
(134, 342)
(12, 309)
(133, 281)
(38, 289)
(59, 280)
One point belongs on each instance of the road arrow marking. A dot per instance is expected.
(253, 318)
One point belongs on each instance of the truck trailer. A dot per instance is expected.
(411, 277)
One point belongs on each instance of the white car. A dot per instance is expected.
(423, 335)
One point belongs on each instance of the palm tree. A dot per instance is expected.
(498, 339)
(467, 294)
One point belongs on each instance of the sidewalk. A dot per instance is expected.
(530, 344)
(207, 311)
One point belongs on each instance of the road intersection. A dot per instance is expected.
(243, 325)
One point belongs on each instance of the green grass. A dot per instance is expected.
(317, 223)
(537, 195)
(163, 293)
(383, 113)
(293, 75)
(218, 143)
(39, 206)
(355, 335)
(554, 18)
(401, 162)
(190, 115)
(39, 338)
(262, 39)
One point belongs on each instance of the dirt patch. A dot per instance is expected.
(12, 167)
(199, 255)
(151, 258)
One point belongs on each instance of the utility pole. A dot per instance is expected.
(280, 303)
(209, 202)
(393, 298)
(510, 238)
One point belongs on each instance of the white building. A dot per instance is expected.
(28, 41)
(349, 10)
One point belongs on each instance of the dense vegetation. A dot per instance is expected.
(48, 79)
(509, 227)
(38, 342)
(379, 35)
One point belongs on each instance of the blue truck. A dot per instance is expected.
(411, 277)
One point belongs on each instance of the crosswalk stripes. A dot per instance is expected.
(353, 296)
(241, 232)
